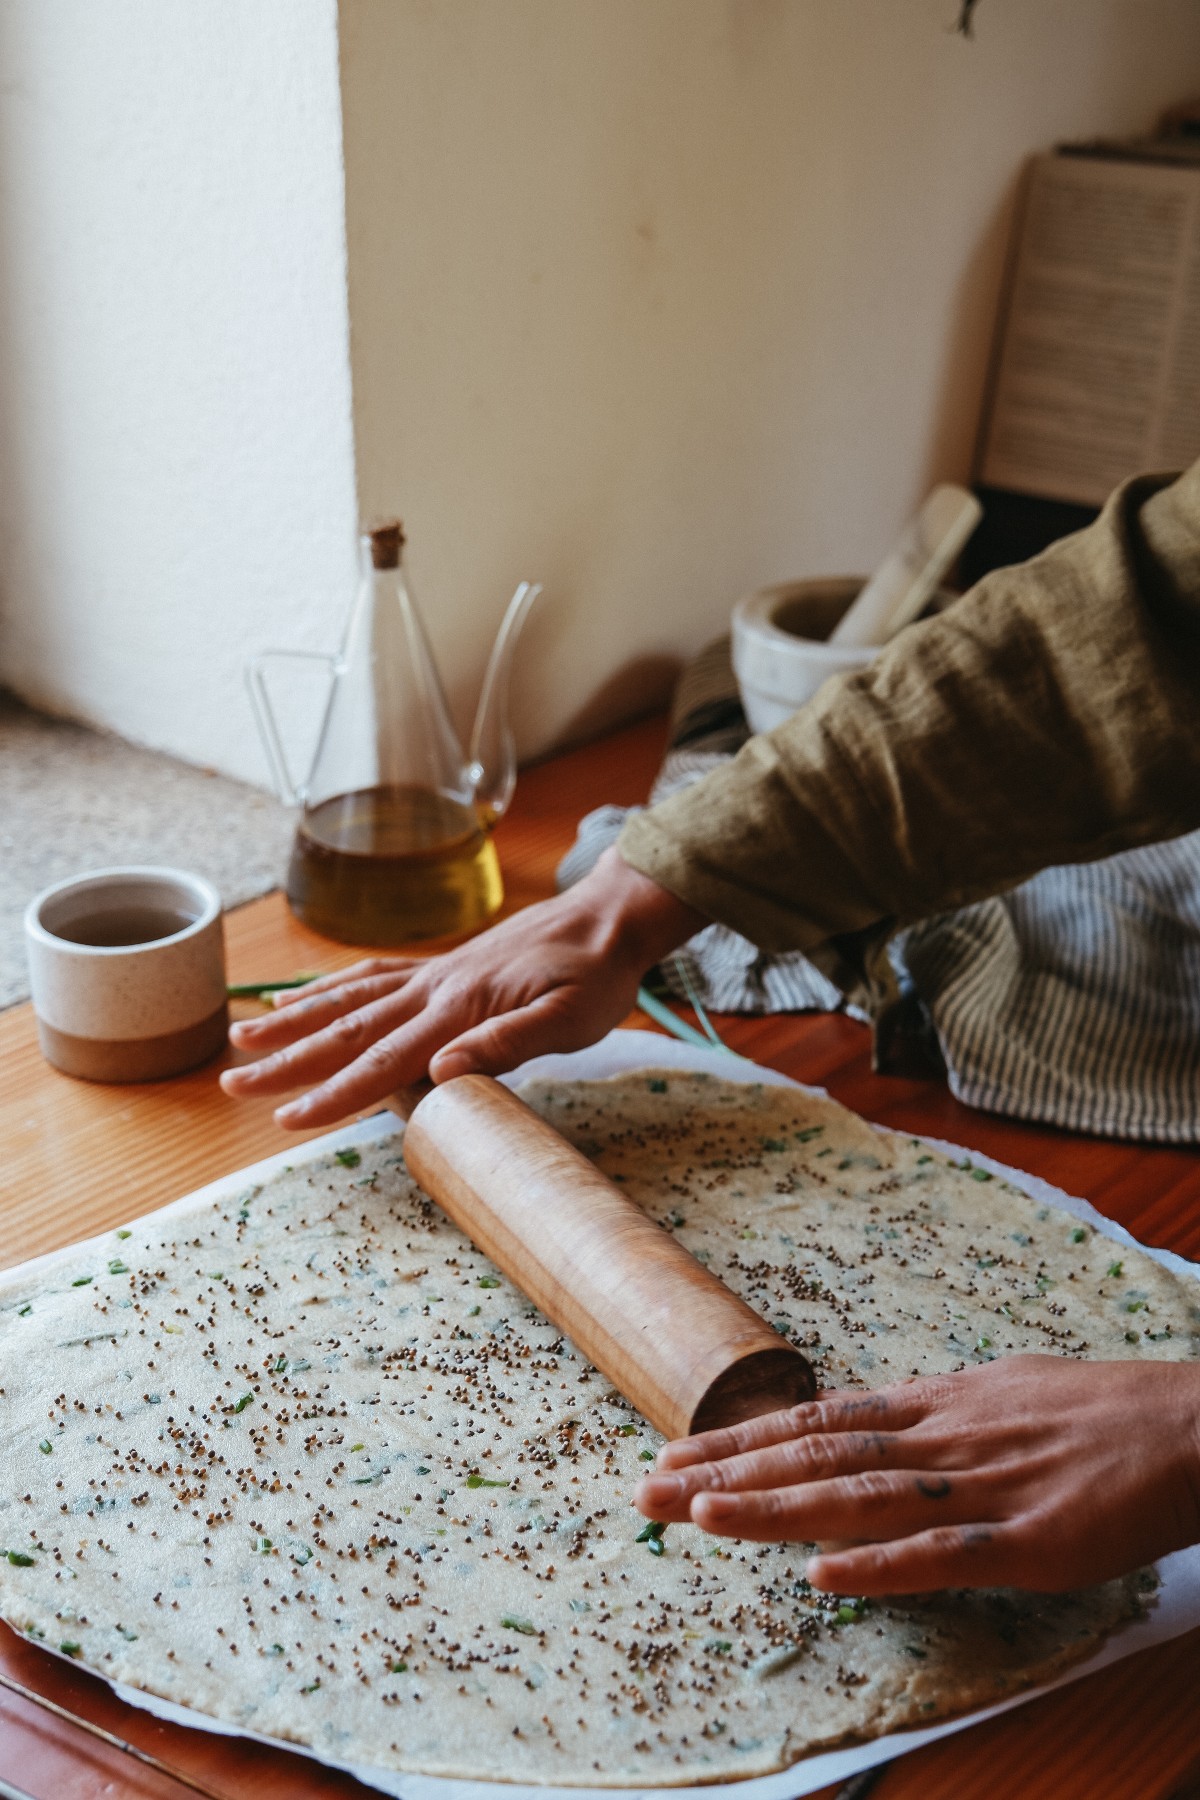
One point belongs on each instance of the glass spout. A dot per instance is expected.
(492, 770)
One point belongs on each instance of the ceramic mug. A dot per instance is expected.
(127, 970)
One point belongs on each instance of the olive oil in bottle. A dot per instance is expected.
(387, 865)
(393, 841)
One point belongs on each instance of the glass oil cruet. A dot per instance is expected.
(394, 839)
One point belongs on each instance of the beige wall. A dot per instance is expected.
(657, 300)
(176, 456)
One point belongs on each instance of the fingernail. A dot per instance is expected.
(718, 1506)
(296, 1113)
(679, 1455)
(659, 1490)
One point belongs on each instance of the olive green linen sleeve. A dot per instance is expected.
(1051, 715)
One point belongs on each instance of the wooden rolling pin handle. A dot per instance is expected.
(672, 1338)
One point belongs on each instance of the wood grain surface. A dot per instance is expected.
(78, 1159)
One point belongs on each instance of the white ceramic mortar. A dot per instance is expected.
(780, 656)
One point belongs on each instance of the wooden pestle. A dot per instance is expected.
(672, 1338)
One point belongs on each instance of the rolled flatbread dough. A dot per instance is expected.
(304, 1461)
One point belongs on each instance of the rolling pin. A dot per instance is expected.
(672, 1338)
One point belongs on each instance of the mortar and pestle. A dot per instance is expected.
(788, 639)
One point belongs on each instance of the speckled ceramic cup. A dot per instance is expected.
(127, 970)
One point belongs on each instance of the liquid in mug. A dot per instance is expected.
(387, 865)
(120, 927)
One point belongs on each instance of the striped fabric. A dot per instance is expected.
(1073, 1000)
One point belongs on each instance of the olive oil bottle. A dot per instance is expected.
(393, 843)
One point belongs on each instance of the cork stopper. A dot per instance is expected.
(387, 541)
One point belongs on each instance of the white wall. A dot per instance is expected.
(176, 457)
(655, 300)
(658, 300)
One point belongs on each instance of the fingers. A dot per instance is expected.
(872, 1505)
(494, 1046)
(402, 1055)
(370, 966)
(669, 1494)
(310, 1012)
(394, 1061)
(1035, 1472)
(970, 1554)
(315, 1057)
(892, 1408)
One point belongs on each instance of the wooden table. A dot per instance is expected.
(79, 1159)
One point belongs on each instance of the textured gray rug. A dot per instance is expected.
(74, 799)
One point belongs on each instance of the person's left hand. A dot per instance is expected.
(553, 976)
(1031, 1471)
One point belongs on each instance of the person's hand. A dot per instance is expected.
(1030, 1471)
(555, 976)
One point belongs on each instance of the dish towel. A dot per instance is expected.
(1073, 1000)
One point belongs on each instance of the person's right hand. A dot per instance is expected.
(555, 976)
(1037, 1472)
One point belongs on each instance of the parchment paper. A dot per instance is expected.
(1175, 1611)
